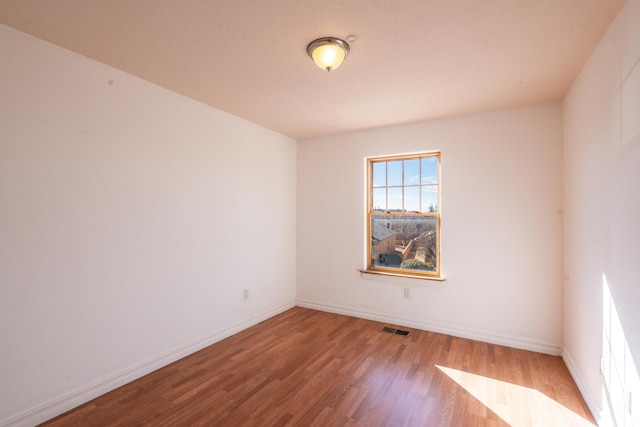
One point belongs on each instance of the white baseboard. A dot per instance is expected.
(88, 392)
(590, 400)
(470, 333)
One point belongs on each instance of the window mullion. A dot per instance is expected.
(420, 185)
(402, 208)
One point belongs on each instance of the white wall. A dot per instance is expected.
(602, 219)
(131, 220)
(501, 227)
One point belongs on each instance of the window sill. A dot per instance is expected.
(372, 274)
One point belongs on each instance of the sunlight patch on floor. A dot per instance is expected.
(515, 404)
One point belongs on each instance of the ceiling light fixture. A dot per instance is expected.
(328, 52)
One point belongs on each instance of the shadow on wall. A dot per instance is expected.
(621, 390)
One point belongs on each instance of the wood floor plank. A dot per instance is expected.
(310, 368)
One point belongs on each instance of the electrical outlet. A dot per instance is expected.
(246, 293)
(407, 293)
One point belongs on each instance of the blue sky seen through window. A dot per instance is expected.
(406, 185)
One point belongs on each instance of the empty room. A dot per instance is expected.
(329, 213)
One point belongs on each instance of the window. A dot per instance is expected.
(403, 215)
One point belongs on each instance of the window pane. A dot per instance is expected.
(394, 173)
(404, 242)
(383, 241)
(429, 198)
(395, 199)
(379, 199)
(429, 170)
(380, 174)
(412, 172)
(412, 199)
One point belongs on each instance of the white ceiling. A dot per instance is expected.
(412, 60)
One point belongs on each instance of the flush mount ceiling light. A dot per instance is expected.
(328, 52)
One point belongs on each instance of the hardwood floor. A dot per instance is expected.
(310, 368)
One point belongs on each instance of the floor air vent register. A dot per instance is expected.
(395, 331)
